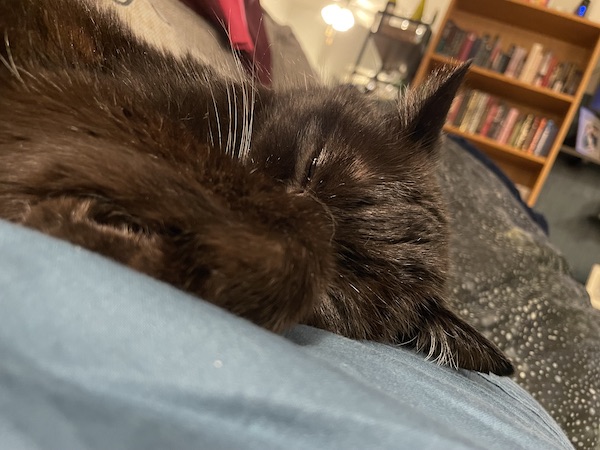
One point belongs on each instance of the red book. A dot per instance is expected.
(509, 123)
(537, 135)
(549, 71)
(467, 45)
(489, 119)
(455, 107)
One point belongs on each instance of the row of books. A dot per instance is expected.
(480, 113)
(537, 66)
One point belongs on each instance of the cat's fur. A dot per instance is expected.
(306, 206)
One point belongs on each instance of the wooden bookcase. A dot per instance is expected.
(569, 37)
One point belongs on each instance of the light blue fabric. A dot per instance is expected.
(95, 356)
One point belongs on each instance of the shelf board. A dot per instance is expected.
(494, 82)
(539, 19)
(571, 151)
(503, 150)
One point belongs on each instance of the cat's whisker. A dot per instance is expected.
(228, 148)
(410, 341)
(10, 63)
(210, 133)
(245, 131)
(431, 345)
(212, 95)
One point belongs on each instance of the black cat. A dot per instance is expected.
(306, 206)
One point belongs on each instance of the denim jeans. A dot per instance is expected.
(96, 356)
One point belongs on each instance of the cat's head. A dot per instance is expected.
(374, 171)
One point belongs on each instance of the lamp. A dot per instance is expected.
(340, 19)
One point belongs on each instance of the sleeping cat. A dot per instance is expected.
(310, 205)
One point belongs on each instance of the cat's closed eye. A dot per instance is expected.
(312, 167)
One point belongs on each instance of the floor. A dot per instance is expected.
(570, 202)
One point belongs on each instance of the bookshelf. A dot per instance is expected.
(568, 42)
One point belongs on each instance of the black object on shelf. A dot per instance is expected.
(401, 44)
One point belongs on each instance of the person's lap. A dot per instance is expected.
(94, 355)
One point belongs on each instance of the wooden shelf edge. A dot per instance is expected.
(571, 151)
(500, 147)
(569, 27)
(567, 99)
(561, 14)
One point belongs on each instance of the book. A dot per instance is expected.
(496, 126)
(462, 108)
(537, 135)
(447, 34)
(475, 48)
(455, 106)
(478, 112)
(524, 131)
(543, 68)
(516, 129)
(573, 84)
(467, 44)
(532, 63)
(507, 126)
(496, 45)
(556, 75)
(546, 139)
(559, 83)
(483, 51)
(489, 119)
(457, 42)
(532, 129)
(515, 60)
(550, 71)
(466, 120)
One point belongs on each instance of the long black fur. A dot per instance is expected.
(309, 205)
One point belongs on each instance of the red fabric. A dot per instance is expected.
(241, 22)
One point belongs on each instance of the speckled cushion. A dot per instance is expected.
(515, 287)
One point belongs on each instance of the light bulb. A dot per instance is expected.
(329, 13)
(344, 20)
(341, 19)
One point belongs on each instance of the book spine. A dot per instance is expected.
(543, 69)
(532, 63)
(511, 118)
(515, 61)
(524, 131)
(572, 86)
(532, 129)
(494, 131)
(462, 108)
(466, 121)
(455, 106)
(537, 135)
(555, 75)
(475, 48)
(445, 39)
(466, 47)
(457, 42)
(478, 112)
(516, 129)
(546, 140)
(495, 53)
(482, 52)
(489, 119)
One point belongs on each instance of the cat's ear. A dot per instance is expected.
(449, 340)
(423, 109)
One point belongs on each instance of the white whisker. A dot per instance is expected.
(10, 63)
